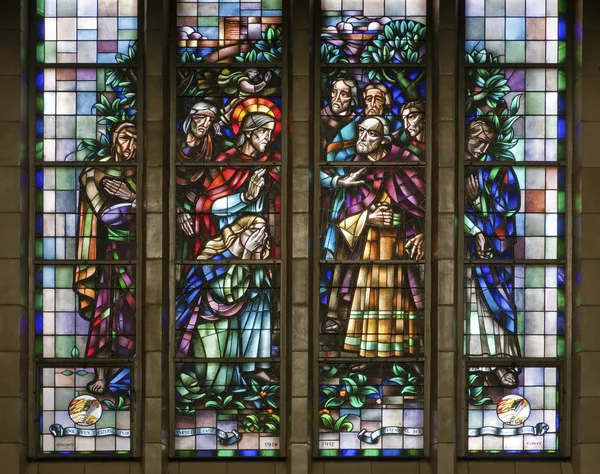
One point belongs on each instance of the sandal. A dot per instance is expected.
(333, 326)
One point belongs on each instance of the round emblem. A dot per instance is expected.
(513, 410)
(85, 410)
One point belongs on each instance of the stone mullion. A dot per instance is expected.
(586, 244)
(444, 251)
(14, 215)
(299, 442)
(155, 263)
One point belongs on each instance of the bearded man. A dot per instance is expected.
(412, 136)
(379, 216)
(340, 110)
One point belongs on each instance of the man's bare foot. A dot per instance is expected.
(506, 377)
(97, 386)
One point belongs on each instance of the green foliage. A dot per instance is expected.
(475, 392)
(331, 54)
(114, 111)
(269, 424)
(503, 124)
(354, 392)
(185, 410)
(409, 382)
(119, 406)
(226, 403)
(400, 41)
(264, 395)
(335, 425)
(485, 86)
(269, 49)
(189, 57)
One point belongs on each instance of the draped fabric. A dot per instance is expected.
(492, 306)
(106, 291)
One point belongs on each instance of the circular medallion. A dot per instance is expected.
(513, 410)
(85, 410)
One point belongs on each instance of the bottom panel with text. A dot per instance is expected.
(371, 409)
(227, 409)
(85, 410)
(513, 409)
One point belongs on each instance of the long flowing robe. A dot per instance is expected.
(106, 231)
(189, 187)
(220, 205)
(491, 311)
(220, 312)
(385, 301)
(331, 124)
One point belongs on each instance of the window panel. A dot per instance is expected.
(86, 220)
(94, 31)
(515, 224)
(368, 409)
(371, 227)
(513, 420)
(517, 31)
(74, 422)
(229, 170)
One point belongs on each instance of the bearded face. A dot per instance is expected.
(370, 137)
(414, 123)
(260, 138)
(200, 125)
(341, 96)
(374, 102)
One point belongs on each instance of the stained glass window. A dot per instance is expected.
(371, 228)
(85, 226)
(515, 185)
(229, 163)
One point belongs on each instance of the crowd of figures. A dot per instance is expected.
(228, 205)
(227, 225)
(373, 212)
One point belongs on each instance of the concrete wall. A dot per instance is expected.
(154, 365)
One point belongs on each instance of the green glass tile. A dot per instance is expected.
(39, 301)
(515, 51)
(38, 347)
(371, 452)
(271, 4)
(225, 453)
(269, 453)
(41, 7)
(562, 80)
(562, 51)
(561, 201)
(329, 452)
(64, 277)
(39, 248)
(413, 452)
(39, 103)
(39, 52)
(39, 202)
(534, 277)
(561, 150)
(127, 34)
(185, 453)
(560, 347)
(562, 7)
(49, 55)
(560, 296)
(208, 21)
(64, 345)
(560, 248)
